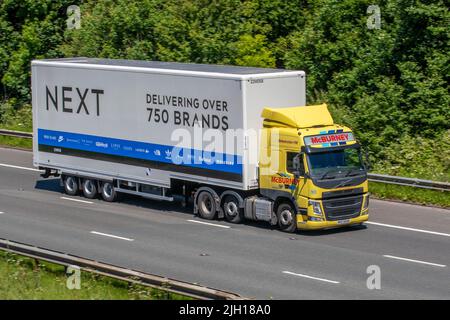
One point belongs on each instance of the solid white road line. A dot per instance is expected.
(310, 277)
(210, 224)
(17, 167)
(76, 200)
(1, 212)
(407, 228)
(111, 236)
(416, 261)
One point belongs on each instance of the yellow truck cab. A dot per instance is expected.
(319, 179)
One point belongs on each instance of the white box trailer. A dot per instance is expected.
(122, 120)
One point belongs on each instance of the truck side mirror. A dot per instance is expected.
(299, 169)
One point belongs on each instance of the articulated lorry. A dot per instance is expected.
(236, 142)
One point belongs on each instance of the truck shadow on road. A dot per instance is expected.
(53, 185)
(306, 233)
(49, 185)
(338, 230)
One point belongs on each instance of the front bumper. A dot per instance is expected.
(317, 225)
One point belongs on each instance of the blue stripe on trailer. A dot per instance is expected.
(142, 150)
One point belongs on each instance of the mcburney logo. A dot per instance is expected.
(284, 180)
(330, 138)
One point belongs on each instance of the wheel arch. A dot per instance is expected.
(282, 199)
(232, 193)
(279, 196)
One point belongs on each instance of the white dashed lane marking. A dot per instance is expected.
(415, 261)
(310, 277)
(110, 236)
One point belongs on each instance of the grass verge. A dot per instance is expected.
(410, 194)
(16, 142)
(22, 278)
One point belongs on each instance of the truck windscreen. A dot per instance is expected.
(330, 164)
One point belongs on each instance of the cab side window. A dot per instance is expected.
(290, 162)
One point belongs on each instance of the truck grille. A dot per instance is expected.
(342, 208)
(342, 193)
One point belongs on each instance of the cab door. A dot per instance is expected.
(278, 149)
(295, 169)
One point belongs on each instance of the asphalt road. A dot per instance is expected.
(410, 244)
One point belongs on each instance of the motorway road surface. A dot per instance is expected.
(410, 244)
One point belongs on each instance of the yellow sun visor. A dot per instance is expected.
(300, 117)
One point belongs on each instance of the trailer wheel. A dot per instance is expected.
(108, 192)
(206, 205)
(89, 188)
(231, 209)
(286, 218)
(71, 185)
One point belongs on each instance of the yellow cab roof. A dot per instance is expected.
(300, 117)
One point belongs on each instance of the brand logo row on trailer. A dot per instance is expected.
(141, 150)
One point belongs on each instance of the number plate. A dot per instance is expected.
(344, 221)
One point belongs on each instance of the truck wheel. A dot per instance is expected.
(231, 209)
(286, 218)
(108, 192)
(206, 206)
(71, 185)
(89, 188)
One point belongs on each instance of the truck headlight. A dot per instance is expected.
(316, 207)
(366, 203)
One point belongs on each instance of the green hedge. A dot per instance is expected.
(390, 84)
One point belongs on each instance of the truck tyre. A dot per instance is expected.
(89, 188)
(286, 218)
(206, 205)
(108, 192)
(71, 185)
(231, 209)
